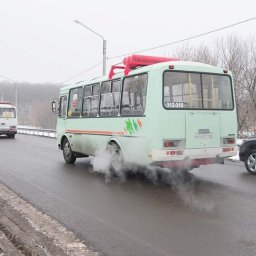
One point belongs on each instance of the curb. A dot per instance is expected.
(32, 232)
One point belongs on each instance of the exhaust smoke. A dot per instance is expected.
(183, 183)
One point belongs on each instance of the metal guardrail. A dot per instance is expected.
(37, 132)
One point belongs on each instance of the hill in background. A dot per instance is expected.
(34, 102)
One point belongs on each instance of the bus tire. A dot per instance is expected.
(11, 136)
(68, 154)
(117, 159)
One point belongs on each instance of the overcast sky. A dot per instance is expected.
(40, 42)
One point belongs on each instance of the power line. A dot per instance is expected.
(8, 79)
(160, 46)
(185, 39)
(81, 73)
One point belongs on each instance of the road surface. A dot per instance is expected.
(209, 212)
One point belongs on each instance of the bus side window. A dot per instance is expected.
(75, 102)
(87, 101)
(95, 100)
(63, 106)
(106, 99)
(116, 89)
(110, 98)
(91, 100)
(134, 95)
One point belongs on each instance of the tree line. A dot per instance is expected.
(34, 102)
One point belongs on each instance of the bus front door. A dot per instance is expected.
(61, 121)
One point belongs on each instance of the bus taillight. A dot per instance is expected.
(229, 141)
(171, 143)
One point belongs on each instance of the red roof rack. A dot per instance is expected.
(5, 102)
(134, 61)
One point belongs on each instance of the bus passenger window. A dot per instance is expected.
(75, 102)
(116, 89)
(87, 101)
(91, 100)
(134, 95)
(106, 99)
(110, 97)
(95, 100)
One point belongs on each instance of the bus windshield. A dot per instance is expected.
(7, 112)
(184, 90)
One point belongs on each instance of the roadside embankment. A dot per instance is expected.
(26, 231)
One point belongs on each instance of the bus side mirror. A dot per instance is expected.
(55, 106)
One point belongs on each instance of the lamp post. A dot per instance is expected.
(15, 88)
(104, 45)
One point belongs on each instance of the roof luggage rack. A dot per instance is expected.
(5, 102)
(136, 61)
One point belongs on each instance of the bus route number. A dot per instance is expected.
(174, 105)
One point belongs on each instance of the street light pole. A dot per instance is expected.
(104, 56)
(104, 46)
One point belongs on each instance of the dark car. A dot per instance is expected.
(247, 154)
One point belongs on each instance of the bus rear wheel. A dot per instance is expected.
(117, 160)
(68, 154)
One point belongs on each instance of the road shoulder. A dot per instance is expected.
(26, 231)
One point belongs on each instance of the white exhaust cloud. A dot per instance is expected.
(182, 183)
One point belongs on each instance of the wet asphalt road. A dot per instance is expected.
(209, 212)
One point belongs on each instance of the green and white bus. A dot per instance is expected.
(154, 111)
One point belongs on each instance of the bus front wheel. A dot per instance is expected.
(68, 154)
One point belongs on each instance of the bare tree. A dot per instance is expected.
(200, 54)
(250, 74)
(232, 54)
(41, 115)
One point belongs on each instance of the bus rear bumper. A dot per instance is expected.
(189, 164)
(191, 158)
(8, 132)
